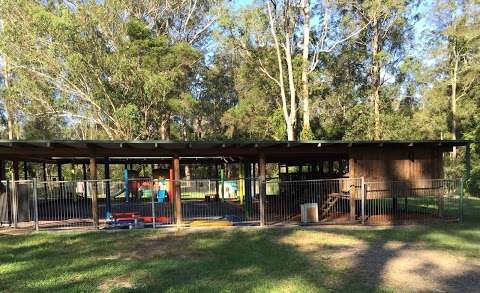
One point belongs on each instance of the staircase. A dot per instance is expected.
(332, 199)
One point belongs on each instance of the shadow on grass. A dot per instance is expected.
(147, 261)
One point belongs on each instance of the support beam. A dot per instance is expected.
(468, 164)
(3, 172)
(44, 173)
(93, 177)
(254, 179)
(107, 187)
(25, 170)
(14, 197)
(263, 187)
(217, 194)
(16, 171)
(44, 177)
(222, 182)
(4, 203)
(171, 187)
(177, 196)
(248, 188)
(85, 178)
(126, 183)
(351, 174)
(59, 172)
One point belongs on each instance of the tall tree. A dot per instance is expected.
(462, 32)
(384, 40)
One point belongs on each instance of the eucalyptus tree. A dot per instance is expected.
(105, 65)
(286, 31)
(459, 26)
(385, 40)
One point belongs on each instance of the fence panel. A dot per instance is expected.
(63, 204)
(211, 200)
(337, 200)
(19, 203)
(141, 198)
(413, 201)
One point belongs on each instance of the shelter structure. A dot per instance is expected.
(373, 161)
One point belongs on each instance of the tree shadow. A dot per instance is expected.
(220, 260)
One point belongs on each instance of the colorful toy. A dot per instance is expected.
(122, 220)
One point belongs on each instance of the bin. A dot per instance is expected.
(309, 212)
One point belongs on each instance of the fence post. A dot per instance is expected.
(461, 201)
(363, 199)
(35, 203)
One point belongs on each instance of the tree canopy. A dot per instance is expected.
(278, 69)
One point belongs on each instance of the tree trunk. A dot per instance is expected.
(288, 117)
(165, 128)
(306, 130)
(7, 104)
(290, 131)
(453, 100)
(291, 85)
(375, 85)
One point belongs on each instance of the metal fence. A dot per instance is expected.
(334, 200)
(413, 201)
(69, 204)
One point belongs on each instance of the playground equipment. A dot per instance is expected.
(133, 220)
(133, 201)
(123, 220)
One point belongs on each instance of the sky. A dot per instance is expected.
(420, 27)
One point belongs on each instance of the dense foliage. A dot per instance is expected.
(199, 69)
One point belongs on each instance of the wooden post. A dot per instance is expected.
(44, 177)
(59, 172)
(107, 186)
(171, 187)
(353, 198)
(177, 196)
(25, 170)
(263, 189)
(254, 180)
(44, 169)
(468, 164)
(14, 197)
(93, 177)
(222, 181)
(3, 174)
(217, 194)
(351, 174)
(85, 186)
(16, 171)
(3, 171)
(248, 188)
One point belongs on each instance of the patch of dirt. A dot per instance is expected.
(420, 269)
(116, 283)
(404, 267)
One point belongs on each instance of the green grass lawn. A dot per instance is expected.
(442, 257)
